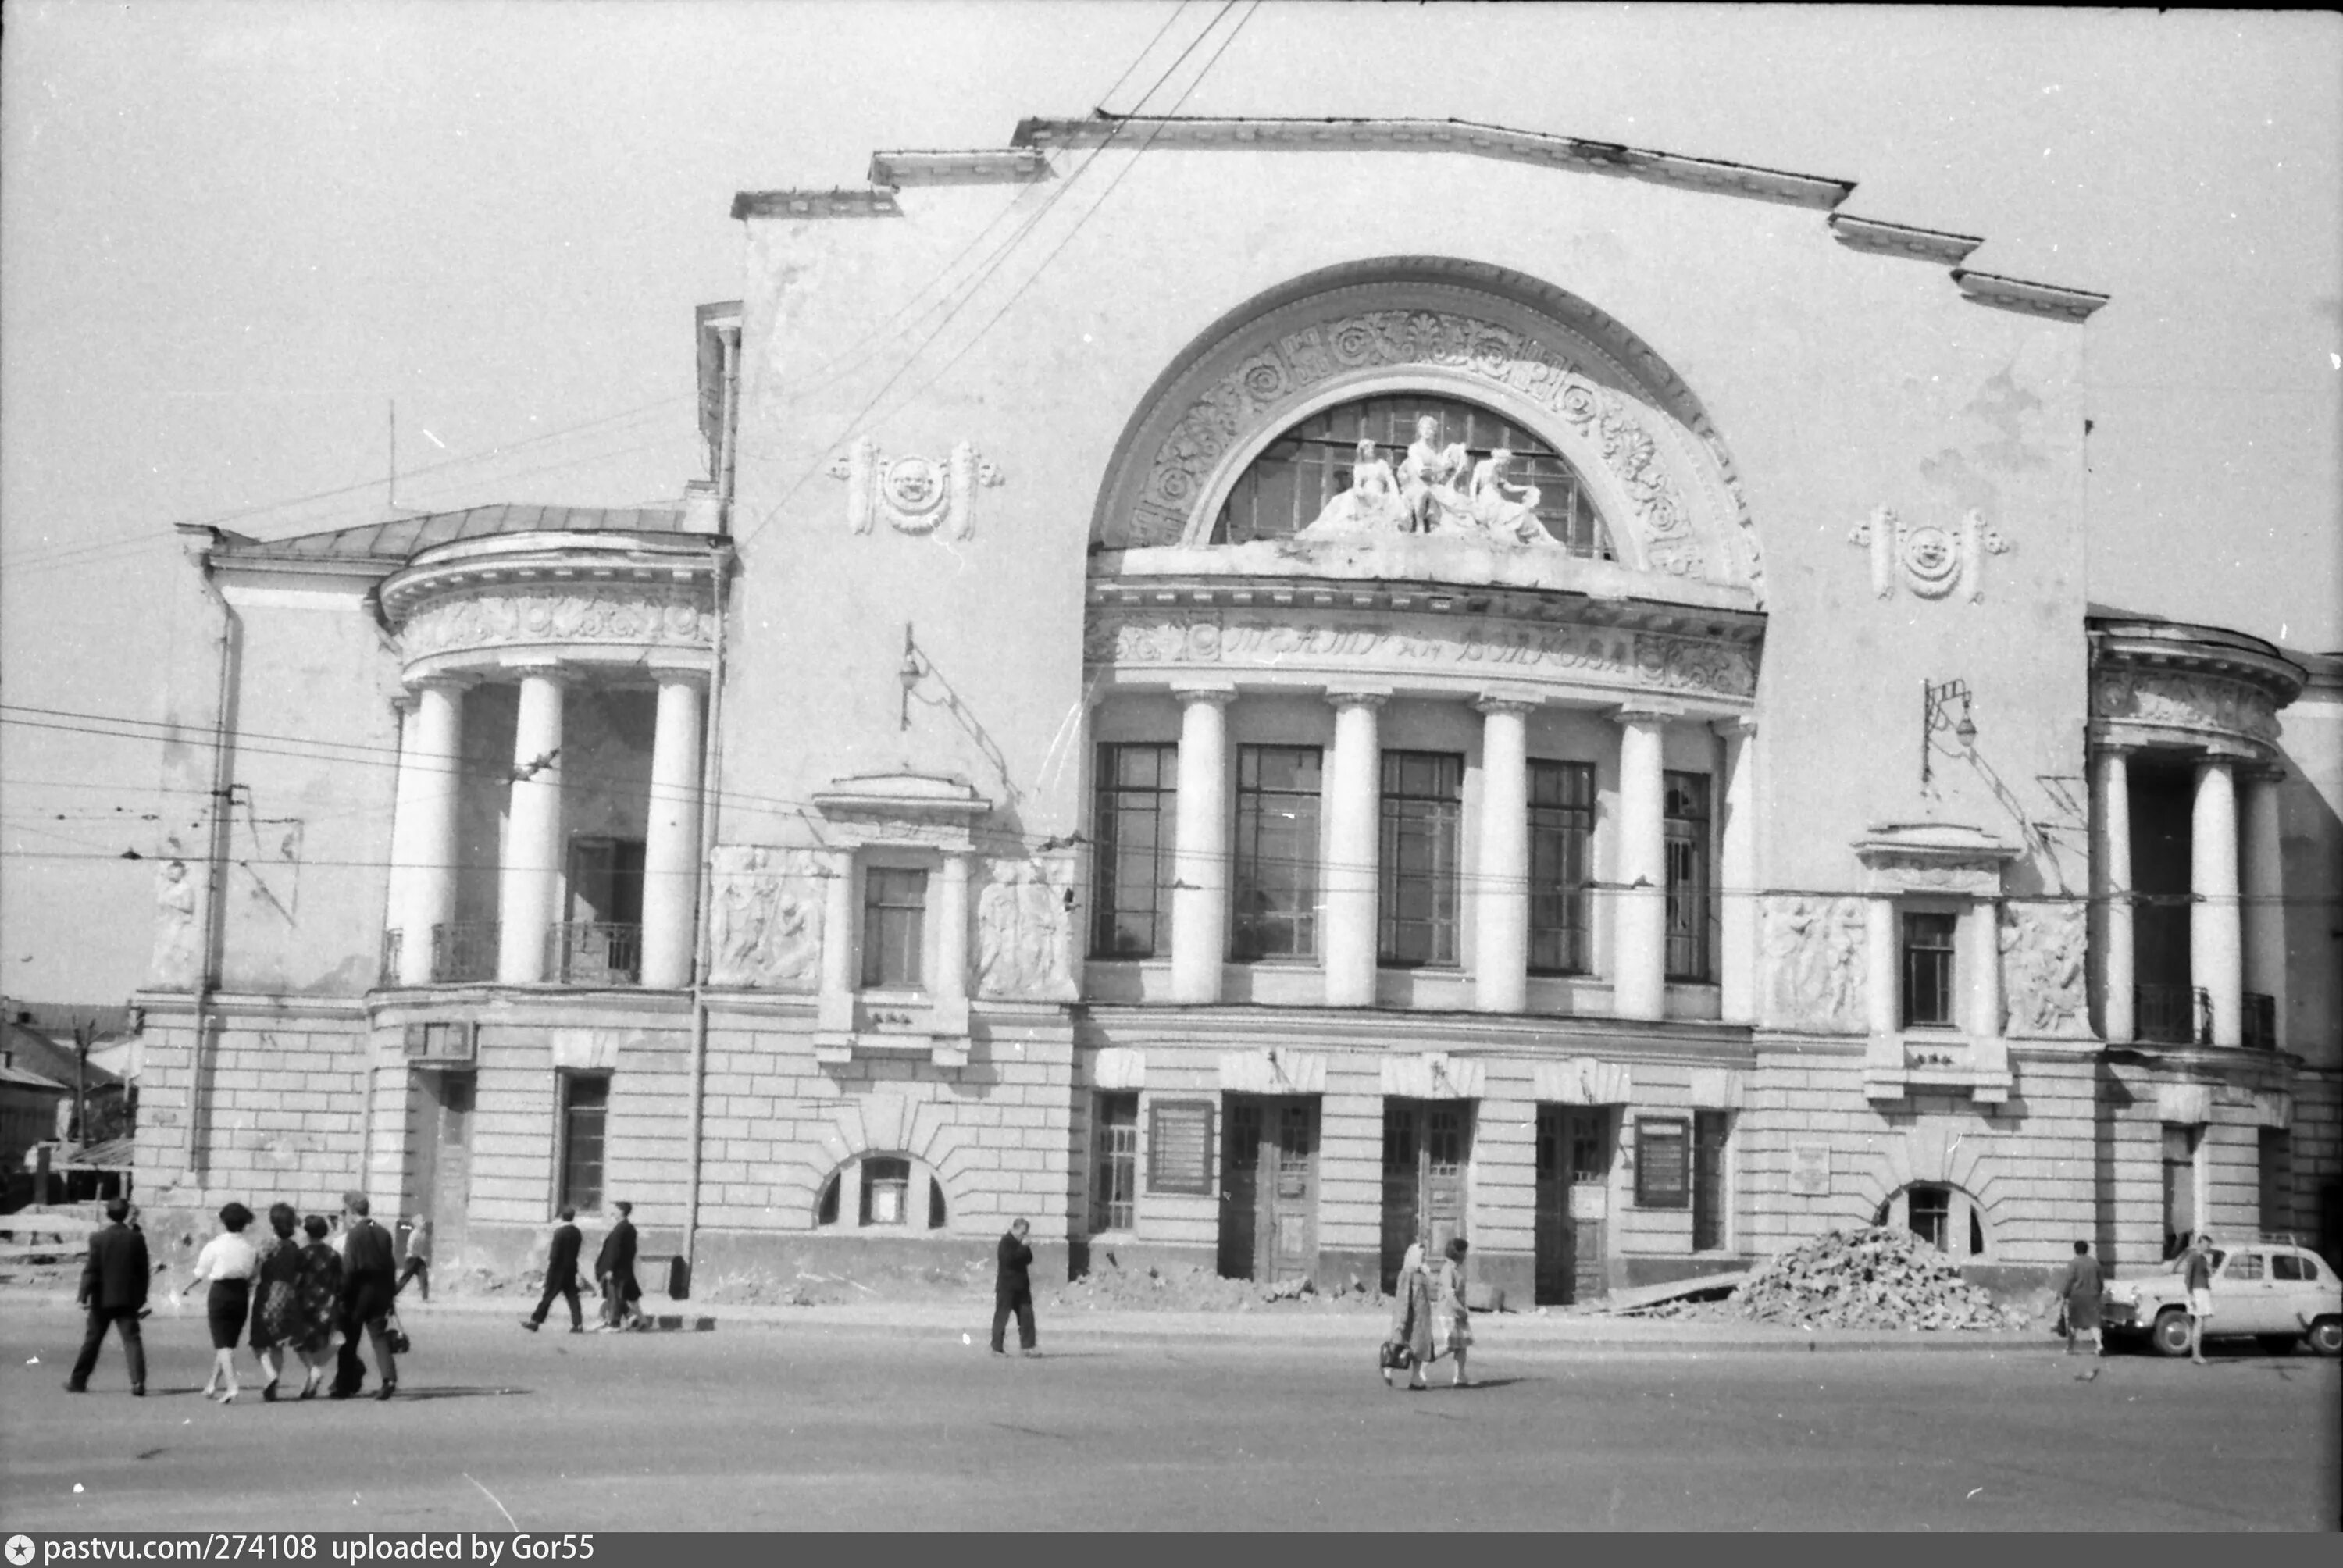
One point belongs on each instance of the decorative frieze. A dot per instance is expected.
(643, 616)
(1931, 560)
(1604, 656)
(2202, 704)
(1814, 955)
(2043, 949)
(916, 495)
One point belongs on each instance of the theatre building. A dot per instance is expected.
(1372, 681)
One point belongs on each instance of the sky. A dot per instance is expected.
(233, 237)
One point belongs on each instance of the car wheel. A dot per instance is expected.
(2327, 1336)
(2171, 1333)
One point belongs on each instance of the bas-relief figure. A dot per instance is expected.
(2042, 956)
(1427, 480)
(1021, 933)
(1501, 509)
(176, 960)
(1423, 496)
(1815, 957)
(764, 913)
(1371, 506)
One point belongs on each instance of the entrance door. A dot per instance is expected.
(1427, 1146)
(1573, 1173)
(1269, 1187)
(442, 1140)
(1551, 1285)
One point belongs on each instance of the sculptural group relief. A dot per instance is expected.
(1424, 496)
(603, 615)
(764, 913)
(2043, 949)
(1025, 931)
(1606, 656)
(1432, 485)
(1814, 956)
(2180, 701)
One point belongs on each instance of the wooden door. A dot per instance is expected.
(1586, 1151)
(1402, 1183)
(1552, 1280)
(1447, 1146)
(1289, 1224)
(451, 1196)
(1240, 1185)
(1427, 1149)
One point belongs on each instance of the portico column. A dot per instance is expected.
(1353, 839)
(1879, 948)
(2216, 954)
(532, 866)
(672, 835)
(2265, 892)
(1639, 977)
(423, 835)
(2111, 893)
(1500, 936)
(1737, 874)
(840, 961)
(952, 941)
(1200, 861)
(402, 830)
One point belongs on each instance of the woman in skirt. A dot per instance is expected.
(1411, 1325)
(229, 1262)
(1452, 1319)
(277, 1297)
(318, 1302)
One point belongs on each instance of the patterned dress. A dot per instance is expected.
(317, 1294)
(276, 1301)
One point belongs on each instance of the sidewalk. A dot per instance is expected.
(1498, 1333)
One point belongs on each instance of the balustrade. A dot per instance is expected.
(464, 951)
(595, 952)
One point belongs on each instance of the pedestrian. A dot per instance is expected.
(319, 1302)
(114, 1288)
(370, 1284)
(1411, 1325)
(276, 1296)
(560, 1274)
(1451, 1317)
(2198, 1270)
(1012, 1291)
(419, 1257)
(229, 1262)
(614, 1271)
(2080, 1291)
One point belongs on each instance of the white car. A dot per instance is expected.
(2275, 1292)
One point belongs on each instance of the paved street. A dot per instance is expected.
(843, 1426)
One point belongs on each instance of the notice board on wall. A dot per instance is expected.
(1180, 1147)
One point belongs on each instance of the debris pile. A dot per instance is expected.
(1109, 1286)
(1873, 1277)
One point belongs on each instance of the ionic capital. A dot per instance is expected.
(1219, 694)
(1369, 698)
(1521, 703)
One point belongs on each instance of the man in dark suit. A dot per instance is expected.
(1012, 1291)
(614, 1269)
(561, 1275)
(370, 1283)
(113, 1288)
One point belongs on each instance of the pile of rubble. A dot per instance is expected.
(1109, 1286)
(1875, 1277)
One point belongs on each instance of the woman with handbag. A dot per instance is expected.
(1409, 1343)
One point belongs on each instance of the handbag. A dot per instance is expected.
(395, 1335)
(1396, 1356)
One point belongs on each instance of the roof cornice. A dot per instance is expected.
(2028, 298)
(1877, 236)
(976, 166)
(839, 202)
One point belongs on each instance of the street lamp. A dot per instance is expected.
(1938, 704)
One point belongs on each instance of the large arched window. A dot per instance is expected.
(1291, 482)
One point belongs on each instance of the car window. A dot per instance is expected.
(2244, 1266)
(2287, 1266)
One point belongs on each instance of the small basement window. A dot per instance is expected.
(885, 1190)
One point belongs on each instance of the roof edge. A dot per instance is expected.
(874, 201)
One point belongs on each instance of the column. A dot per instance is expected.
(2111, 893)
(1354, 841)
(952, 941)
(1639, 964)
(532, 864)
(1883, 995)
(1737, 874)
(2215, 951)
(1200, 861)
(2265, 892)
(1983, 923)
(672, 835)
(841, 974)
(425, 829)
(402, 833)
(1501, 933)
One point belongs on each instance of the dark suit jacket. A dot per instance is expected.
(561, 1259)
(618, 1254)
(115, 1278)
(1016, 1257)
(368, 1250)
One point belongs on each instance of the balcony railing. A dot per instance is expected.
(596, 952)
(464, 950)
(2261, 1021)
(391, 946)
(2173, 1014)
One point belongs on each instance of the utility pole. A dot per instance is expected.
(83, 1033)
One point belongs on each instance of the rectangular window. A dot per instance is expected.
(894, 922)
(585, 1115)
(1928, 971)
(1561, 832)
(1690, 894)
(1423, 811)
(1931, 1213)
(1663, 1163)
(1273, 886)
(885, 1190)
(1708, 1181)
(1114, 1191)
(1134, 820)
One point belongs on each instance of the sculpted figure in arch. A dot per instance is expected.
(1507, 511)
(1371, 506)
(1428, 481)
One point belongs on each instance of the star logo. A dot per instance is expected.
(20, 1550)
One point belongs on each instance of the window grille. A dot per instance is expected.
(1689, 890)
(1114, 1198)
(585, 1118)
